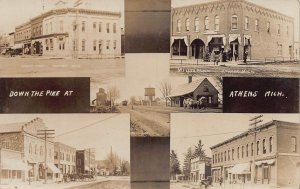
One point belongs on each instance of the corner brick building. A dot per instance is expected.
(267, 155)
(231, 25)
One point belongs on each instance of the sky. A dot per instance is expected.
(188, 129)
(105, 131)
(16, 12)
(287, 7)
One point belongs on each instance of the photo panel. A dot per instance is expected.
(65, 151)
(234, 150)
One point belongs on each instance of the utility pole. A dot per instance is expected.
(255, 120)
(45, 134)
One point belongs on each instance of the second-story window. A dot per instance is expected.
(257, 148)
(100, 26)
(270, 144)
(238, 152)
(228, 155)
(197, 24)
(232, 154)
(252, 149)
(246, 23)
(107, 27)
(115, 28)
(187, 24)
(178, 25)
(217, 23)
(264, 146)
(256, 25)
(94, 26)
(293, 144)
(206, 23)
(83, 26)
(234, 22)
(242, 151)
(94, 45)
(247, 150)
(83, 45)
(268, 27)
(278, 29)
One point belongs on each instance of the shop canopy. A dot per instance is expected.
(52, 168)
(242, 168)
(13, 164)
(269, 162)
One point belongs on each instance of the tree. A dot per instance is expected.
(187, 163)
(219, 83)
(165, 88)
(113, 94)
(125, 167)
(199, 151)
(174, 165)
(133, 100)
(113, 163)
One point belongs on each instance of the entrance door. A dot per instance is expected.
(234, 47)
(266, 175)
(100, 47)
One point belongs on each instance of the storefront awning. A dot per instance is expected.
(233, 37)
(13, 164)
(269, 162)
(242, 168)
(52, 168)
(17, 46)
(184, 38)
(210, 38)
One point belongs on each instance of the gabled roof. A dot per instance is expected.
(266, 125)
(187, 88)
(11, 127)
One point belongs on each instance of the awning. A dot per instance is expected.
(17, 46)
(233, 37)
(242, 168)
(52, 168)
(210, 37)
(13, 164)
(184, 38)
(269, 162)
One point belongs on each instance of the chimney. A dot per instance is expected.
(190, 78)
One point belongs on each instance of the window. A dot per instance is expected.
(107, 44)
(55, 155)
(257, 148)
(217, 23)
(30, 148)
(74, 25)
(225, 155)
(228, 155)
(268, 27)
(178, 26)
(264, 146)
(247, 150)
(46, 28)
(232, 154)
(206, 23)
(270, 144)
(252, 149)
(256, 25)
(196, 24)
(51, 44)
(115, 44)
(278, 29)
(115, 28)
(213, 158)
(238, 152)
(221, 156)
(246, 23)
(100, 26)
(187, 24)
(83, 26)
(279, 49)
(94, 45)
(242, 151)
(293, 144)
(61, 26)
(234, 22)
(107, 27)
(83, 45)
(41, 151)
(94, 26)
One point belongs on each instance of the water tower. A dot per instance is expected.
(149, 95)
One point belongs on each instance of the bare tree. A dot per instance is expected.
(113, 94)
(133, 100)
(219, 82)
(165, 88)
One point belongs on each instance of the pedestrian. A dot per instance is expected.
(213, 56)
(236, 55)
(217, 58)
(230, 55)
(220, 180)
(245, 56)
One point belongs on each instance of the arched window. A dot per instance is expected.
(270, 144)
(264, 146)
(197, 24)
(246, 23)
(187, 24)
(234, 22)
(217, 23)
(206, 23)
(257, 148)
(256, 25)
(179, 25)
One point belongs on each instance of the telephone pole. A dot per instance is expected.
(45, 134)
(255, 121)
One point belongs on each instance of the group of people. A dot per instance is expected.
(217, 56)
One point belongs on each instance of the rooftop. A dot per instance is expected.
(266, 125)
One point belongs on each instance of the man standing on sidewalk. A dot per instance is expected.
(245, 56)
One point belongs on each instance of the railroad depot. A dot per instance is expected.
(230, 26)
(267, 154)
(199, 89)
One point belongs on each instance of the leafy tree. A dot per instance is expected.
(174, 165)
(199, 151)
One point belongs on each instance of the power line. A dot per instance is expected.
(207, 135)
(87, 126)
